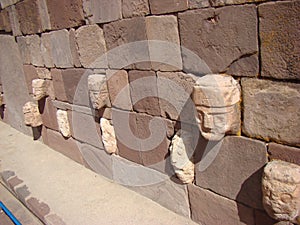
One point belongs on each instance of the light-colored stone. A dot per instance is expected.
(43, 73)
(98, 92)
(281, 191)
(181, 153)
(108, 136)
(91, 46)
(39, 88)
(63, 123)
(32, 116)
(216, 98)
(1, 100)
(133, 8)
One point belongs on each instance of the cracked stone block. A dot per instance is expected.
(132, 8)
(14, 20)
(43, 73)
(32, 116)
(4, 21)
(98, 91)
(195, 4)
(63, 123)
(65, 13)
(6, 3)
(271, 110)
(91, 46)
(30, 50)
(284, 153)
(281, 191)
(108, 136)
(181, 153)
(167, 6)
(216, 98)
(219, 39)
(279, 32)
(102, 11)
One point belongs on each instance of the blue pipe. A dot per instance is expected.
(9, 214)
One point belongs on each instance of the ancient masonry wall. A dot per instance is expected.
(58, 84)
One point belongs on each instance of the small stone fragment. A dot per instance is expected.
(32, 116)
(39, 88)
(108, 136)
(63, 123)
(43, 73)
(281, 191)
(98, 91)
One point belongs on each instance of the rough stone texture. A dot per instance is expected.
(98, 91)
(91, 46)
(235, 164)
(231, 2)
(4, 21)
(216, 98)
(1, 100)
(43, 73)
(74, 48)
(32, 116)
(195, 4)
(280, 39)
(30, 73)
(102, 11)
(6, 3)
(271, 110)
(219, 39)
(63, 123)
(46, 49)
(108, 136)
(48, 112)
(281, 191)
(208, 208)
(285, 153)
(30, 50)
(12, 79)
(164, 56)
(65, 13)
(167, 6)
(14, 21)
(143, 92)
(39, 88)
(131, 8)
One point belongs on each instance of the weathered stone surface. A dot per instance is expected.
(46, 49)
(6, 3)
(30, 73)
(74, 48)
(279, 32)
(4, 21)
(231, 2)
(102, 11)
(30, 50)
(233, 168)
(195, 4)
(167, 6)
(281, 191)
(65, 13)
(43, 73)
(91, 46)
(98, 92)
(208, 208)
(131, 8)
(32, 116)
(108, 136)
(63, 123)
(118, 88)
(14, 20)
(39, 89)
(143, 92)
(219, 39)
(165, 56)
(181, 153)
(48, 112)
(271, 110)
(284, 153)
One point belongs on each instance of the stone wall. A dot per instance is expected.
(183, 101)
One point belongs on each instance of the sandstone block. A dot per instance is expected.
(30, 50)
(167, 6)
(279, 34)
(284, 153)
(271, 110)
(108, 136)
(91, 46)
(131, 8)
(281, 191)
(195, 4)
(30, 73)
(221, 40)
(48, 112)
(46, 49)
(208, 208)
(231, 2)
(63, 123)
(233, 168)
(65, 13)
(39, 88)
(32, 116)
(43, 73)
(98, 92)
(4, 21)
(14, 20)
(74, 48)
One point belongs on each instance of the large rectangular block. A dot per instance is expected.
(224, 43)
(271, 110)
(131, 8)
(284, 152)
(167, 6)
(235, 171)
(279, 32)
(30, 49)
(208, 208)
(48, 113)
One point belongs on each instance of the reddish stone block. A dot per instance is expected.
(14, 181)
(30, 74)
(167, 6)
(285, 153)
(40, 209)
(261, 218)
(48, 112)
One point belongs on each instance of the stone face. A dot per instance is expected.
(63, 123)
(167, 6)
(131, 8)
(195, 4)
(284, 153)
(166, 55)
(271, 110)
(208, 208)
(281, 191)
(108, 136)
(32, 116)
(102, 11)
(91, 46)
(233, 168)
(143, 92)
(14, 20)
(30, 73)
(279, 35)
(219, 40)
(46, 49)
(65, 13)
(48, 112)
(98, 92)
(30, 50)
(39, 89)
